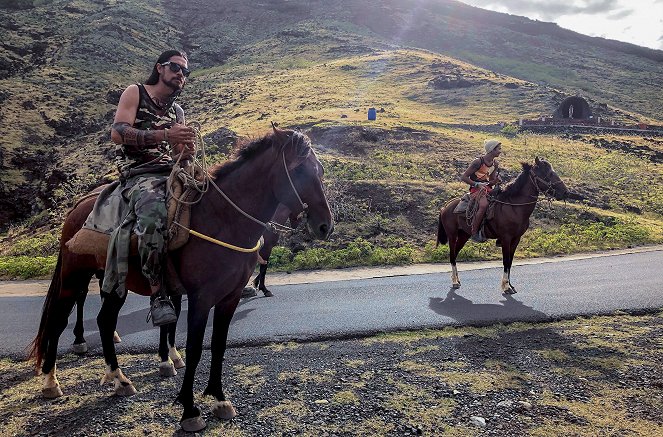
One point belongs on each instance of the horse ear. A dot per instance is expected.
(537, 160)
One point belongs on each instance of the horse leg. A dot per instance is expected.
(57, 322)
(259, 281)
(170, 357)
(197, 320)
(222, 409)
(508, 251)
(107, 321)
(456, 243)
(100, 276)
(80, 345)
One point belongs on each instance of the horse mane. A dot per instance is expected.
(515, 186)
(246, 151)
(243, 152)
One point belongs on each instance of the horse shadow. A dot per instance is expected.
(463, 310)
(134, 322)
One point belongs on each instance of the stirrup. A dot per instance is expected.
(162, 312)
(479, 237)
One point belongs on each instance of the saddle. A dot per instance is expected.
(181, 194)
(467, 206)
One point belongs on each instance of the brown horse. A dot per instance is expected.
(281, 216)
(279, 168)
(513, 207)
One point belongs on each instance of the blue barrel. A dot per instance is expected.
(372, 114)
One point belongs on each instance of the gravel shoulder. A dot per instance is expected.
(587, 376)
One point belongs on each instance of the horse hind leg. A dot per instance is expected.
(80, 345)
(57, 323)
(261, 280)
(107, 322)
(508, 251)
(456, 243)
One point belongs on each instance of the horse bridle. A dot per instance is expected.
(272, 226)
(549, 192)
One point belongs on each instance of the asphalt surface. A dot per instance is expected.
(547, 289)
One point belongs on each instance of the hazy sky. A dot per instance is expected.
(636, 21)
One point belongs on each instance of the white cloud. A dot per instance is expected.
(635, 21)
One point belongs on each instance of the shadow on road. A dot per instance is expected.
(464, 310)
(134, 322)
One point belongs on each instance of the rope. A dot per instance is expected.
(198, 165)
(224, 244)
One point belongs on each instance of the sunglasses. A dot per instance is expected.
(177, 67)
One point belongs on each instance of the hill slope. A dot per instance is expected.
(320, 65)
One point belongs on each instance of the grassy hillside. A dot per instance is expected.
(319, 66)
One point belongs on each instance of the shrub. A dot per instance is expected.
(27, 267)
(509, 130)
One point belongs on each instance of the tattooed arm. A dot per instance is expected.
(123, 131)
(137, 137)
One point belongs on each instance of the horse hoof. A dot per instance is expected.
(51, 392)
(455, 286)
(268, 293)
(193, 424)
(80, 348)
(178, 363)
(249, 291)
(224, 410)
(510, 291)
(124, 389)
(116, 337)
(167, 368)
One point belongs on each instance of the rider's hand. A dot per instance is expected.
(180, 133)
(184, 149)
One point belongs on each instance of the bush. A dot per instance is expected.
(359, 252)
(27, 267)
(45, 244)
(510, 130)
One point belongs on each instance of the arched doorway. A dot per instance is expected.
(573, 107)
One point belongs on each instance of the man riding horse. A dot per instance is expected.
(148, 127)
(482, 176)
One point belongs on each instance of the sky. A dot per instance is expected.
(635, 21)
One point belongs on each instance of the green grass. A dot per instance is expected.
(26, 267)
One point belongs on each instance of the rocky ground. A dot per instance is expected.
(587, 376)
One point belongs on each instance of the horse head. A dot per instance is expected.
(547, 181)
(296, 181)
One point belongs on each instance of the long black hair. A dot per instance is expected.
(164, 57)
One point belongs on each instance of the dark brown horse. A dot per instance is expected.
(512, 210)
(279, 168)
(281, 216)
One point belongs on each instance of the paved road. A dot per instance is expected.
(551, 288)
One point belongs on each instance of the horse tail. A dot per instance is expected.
(441, 233)
(39, 344)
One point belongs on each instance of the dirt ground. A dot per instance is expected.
(599, 376)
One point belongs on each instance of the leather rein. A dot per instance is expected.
(272, 226)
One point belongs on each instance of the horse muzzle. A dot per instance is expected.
(319, 230)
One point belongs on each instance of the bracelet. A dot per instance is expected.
(165, 135)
